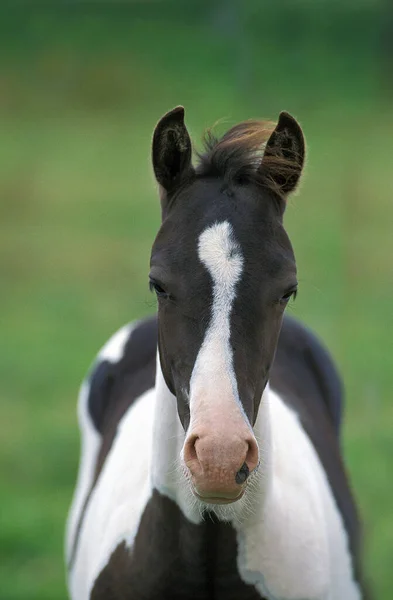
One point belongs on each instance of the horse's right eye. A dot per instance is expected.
(158, 289)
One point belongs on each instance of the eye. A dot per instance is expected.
(158, 289)
(286, 297)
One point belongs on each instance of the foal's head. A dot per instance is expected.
(223, 269)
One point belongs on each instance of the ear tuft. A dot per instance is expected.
(171, 151)
(284, 155)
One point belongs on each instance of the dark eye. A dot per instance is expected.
(286, 297)
(158, 289)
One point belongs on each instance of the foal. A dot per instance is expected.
(214, 471)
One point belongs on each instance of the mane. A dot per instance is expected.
(237, 156)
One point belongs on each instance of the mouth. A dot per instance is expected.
(221, 499)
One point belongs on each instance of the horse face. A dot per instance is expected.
(223, 270)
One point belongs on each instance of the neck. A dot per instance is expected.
(167, 471)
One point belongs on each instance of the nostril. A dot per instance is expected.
(251, 462)
(242, 474)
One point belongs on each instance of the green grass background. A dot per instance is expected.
(81, 87)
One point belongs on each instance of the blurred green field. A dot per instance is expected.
(80, 91)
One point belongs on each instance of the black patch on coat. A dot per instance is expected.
(101, 382)
(173, 559)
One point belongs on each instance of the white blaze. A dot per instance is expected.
(220, 253)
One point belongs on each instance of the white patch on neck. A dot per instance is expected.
(113, 350)
(220, 254)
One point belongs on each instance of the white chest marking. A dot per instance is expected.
(221, 255)
(295, 546)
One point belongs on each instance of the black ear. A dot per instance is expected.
(283, 159)
(171, 152)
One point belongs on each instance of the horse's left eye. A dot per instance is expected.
(158, 289)
(286, 298)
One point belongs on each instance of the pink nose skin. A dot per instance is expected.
(219, 463)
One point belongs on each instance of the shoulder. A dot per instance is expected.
(125, 363)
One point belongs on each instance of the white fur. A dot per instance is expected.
(113, 350)
(168, 439)
(213, 378)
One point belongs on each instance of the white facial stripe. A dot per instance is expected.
(221, 255)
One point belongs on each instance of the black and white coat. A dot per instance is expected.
(139, 527)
